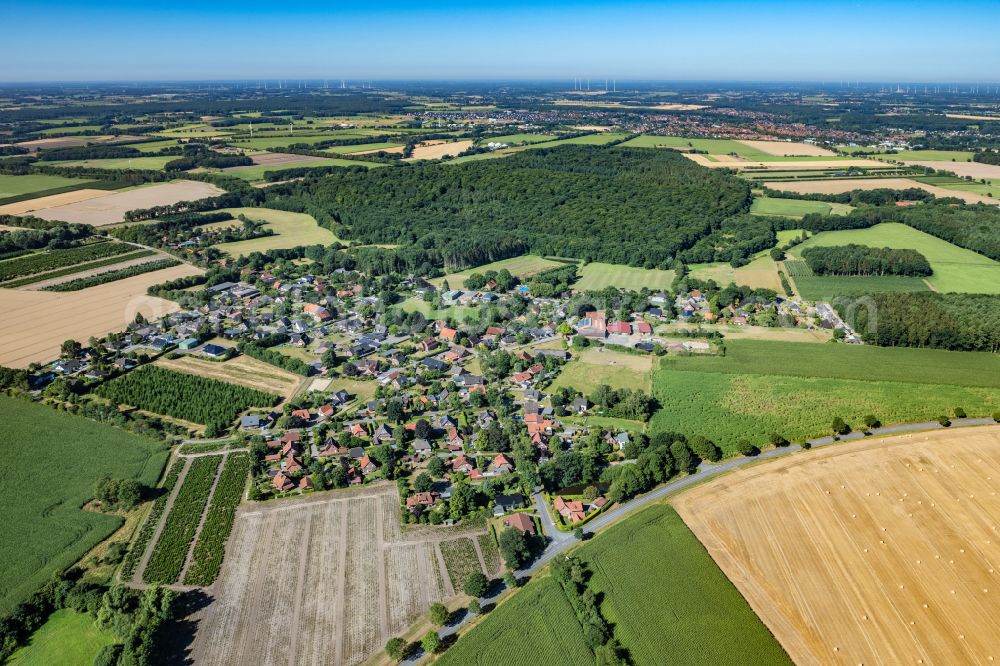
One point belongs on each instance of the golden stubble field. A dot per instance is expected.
(111, 208)
(325, 579)
(435, 150)
(880, 552)
(36, 323)
(836, 186)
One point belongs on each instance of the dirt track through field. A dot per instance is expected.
(36, 323)
(884, 552)
(325, 579)
(847, 184)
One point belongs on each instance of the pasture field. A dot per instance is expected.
(255, 173)
(67, 637)
(242, 370)
(877, 552)
(666, 599)
(349, 580)
(593, 367)
(456, 312)
(13, 186)
(536, 625)
(991, 188)
(111, 208)
(936, 155)
(729, 407)
(513, 139)
(796, 207)
(955, 269)
(153, 163)
(595, 276)
(45, 528)
(290, 230)
(762, 272)
(362, 148)
(96, 311)
(523, 267)
(862, 362)
(837, 186)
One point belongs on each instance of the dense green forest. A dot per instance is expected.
(626, 206)
(967, 322)
(184, 396)
(862, 260)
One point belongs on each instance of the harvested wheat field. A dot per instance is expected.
(76, 196)
(781, 148)
(881, 552)
(36, 323)
(848, 184)
(279, 159)
(961, 169)
(731, 162)
(326, 579)
(111, 208)
(967, 116)
(242, 370)
(435, 150)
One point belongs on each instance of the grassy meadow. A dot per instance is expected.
(796, 207)
(955, 269)
(596, 276)
(290, 229)
(51, 462)
(67, 637)
(362, 148)
(596, 366)
(761, 272)
(520, 138)
(523, 267)
(256, 173)
(797, 389)
(720, 147)
(153, 163)
(14, 186)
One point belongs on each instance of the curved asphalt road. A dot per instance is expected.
(561, 541)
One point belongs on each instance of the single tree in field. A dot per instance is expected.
(745, 448)
(476, 584)
(959, 413)
(840, 427)
(439, 614)
(871, 421)
(129, 493)
(474, 607)
(431, 642)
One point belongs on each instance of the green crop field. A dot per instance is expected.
(524, 266)
(154, 146)
(796, 207)
(361, 147)
(256, 173)
(826, 287)
(67, 637)
(596, 276)
(520, 138)
(930, 155)
(154, 163)
(862, 362)
(536, 625)
(797, 389)
(13, 186)
(585, 140)
(291, 230)
(51, 462)
(955, 269)
(664, 595)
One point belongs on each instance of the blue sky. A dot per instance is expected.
(875, 40)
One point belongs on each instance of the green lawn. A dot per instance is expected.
(593, 367)
(524, 266)
(595, 276)
(68, 638)
(51, 462)
(456, 312)
(155, 163)
(291, 230)
(12, 186)
(663, 594)
(796, 390)
(955, 269)
(796, 207)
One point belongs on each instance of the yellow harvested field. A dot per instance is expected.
(111, 208)
(730, 162)
(966, 116)
(435, 150)
(242, 370)
(848, 184)
(36, 323)
(781, 148)
(961, 169)
(881, 552)
(76, 196)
